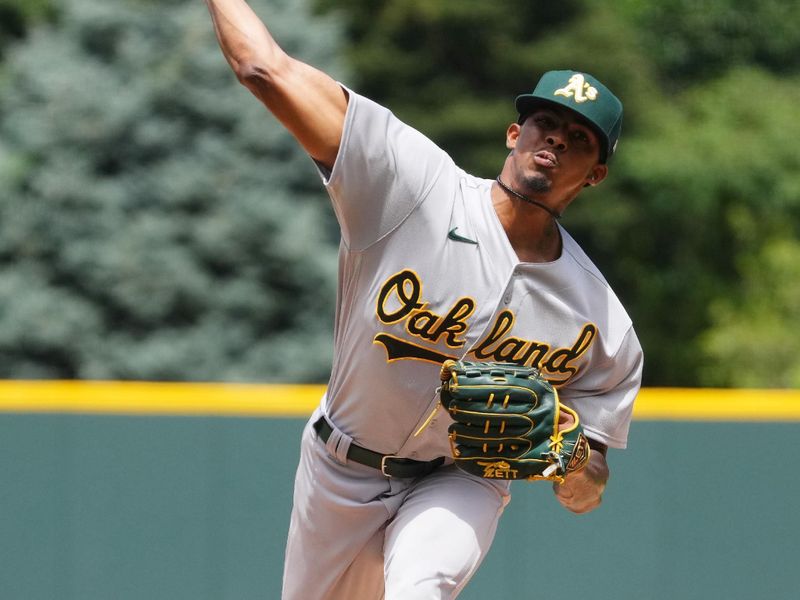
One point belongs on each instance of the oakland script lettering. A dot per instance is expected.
(405, 289)
(556, 364)
(400, 300)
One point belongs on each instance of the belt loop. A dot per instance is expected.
(338, 444)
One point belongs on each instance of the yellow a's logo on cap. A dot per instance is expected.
(577, 88)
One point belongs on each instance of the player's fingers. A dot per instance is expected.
(565, 419)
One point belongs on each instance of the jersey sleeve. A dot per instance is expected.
(383, 171)
(604, 397)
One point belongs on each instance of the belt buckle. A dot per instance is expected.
(383, 464)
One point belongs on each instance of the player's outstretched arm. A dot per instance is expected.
(582, 491)
(308, 102)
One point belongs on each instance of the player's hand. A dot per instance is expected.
(582, 491)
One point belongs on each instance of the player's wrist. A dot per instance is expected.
(598, 446)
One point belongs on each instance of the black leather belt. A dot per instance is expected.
(389, 465)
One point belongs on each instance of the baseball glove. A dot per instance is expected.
(508, 423)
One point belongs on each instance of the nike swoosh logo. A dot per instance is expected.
(459, 238)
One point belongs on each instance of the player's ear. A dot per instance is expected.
(598, 173)
(512, 134)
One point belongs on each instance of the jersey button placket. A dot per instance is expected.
(509, 288)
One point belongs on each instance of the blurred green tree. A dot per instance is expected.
(156, 222)
(691, 40)
(137, 238)
(754, 340)
(18, 16)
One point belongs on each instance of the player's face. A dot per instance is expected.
(554, 153)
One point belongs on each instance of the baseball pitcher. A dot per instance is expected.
(475, 342)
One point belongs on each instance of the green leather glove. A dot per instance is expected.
(509, 423)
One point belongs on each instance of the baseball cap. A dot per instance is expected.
(583, 94)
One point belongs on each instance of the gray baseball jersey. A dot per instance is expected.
(426, 272)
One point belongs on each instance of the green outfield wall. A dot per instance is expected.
(169, 491)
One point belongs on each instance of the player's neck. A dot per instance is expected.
(532, 232)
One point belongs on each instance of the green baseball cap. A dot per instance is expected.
(586, 96)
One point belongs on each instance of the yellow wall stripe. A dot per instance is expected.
(702, 404)
(265, 400)
(148, 398)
